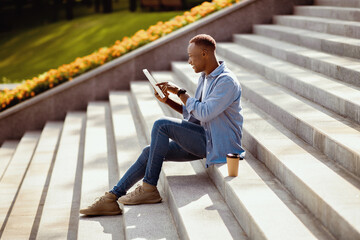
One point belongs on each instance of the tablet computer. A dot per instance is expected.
(153, 83)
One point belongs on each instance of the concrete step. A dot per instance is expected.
(150, 221)
(23, 220)
(325, 188)
(99, 174)
(260, 202)
(191, 194)
(14, 175)
(332, 12)
(59, 219)
(330, 93)
(332, 134)
(340, 68)
(8, 86)
(244, 201)
(339, 45)
(342, 3)
(6, 152)
(332, 26)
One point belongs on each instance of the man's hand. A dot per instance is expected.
(163, 100)
(168, 87)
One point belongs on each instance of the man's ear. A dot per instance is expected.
(205, 52)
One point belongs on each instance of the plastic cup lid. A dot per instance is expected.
(233, 155)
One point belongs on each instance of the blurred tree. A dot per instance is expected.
(88, 3)
(107, 6)
(69, 9)
(19, 6)
(55, 10)
(37, 7)
(97, 6)
(132, 5)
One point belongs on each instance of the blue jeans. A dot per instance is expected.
(172, 139)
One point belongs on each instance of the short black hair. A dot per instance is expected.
(204, 40)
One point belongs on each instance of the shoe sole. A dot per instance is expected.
(102, 213)
(138, 203)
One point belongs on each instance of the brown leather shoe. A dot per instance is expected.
(105, 205)
(144, 194)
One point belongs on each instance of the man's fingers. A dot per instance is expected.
(162, 83)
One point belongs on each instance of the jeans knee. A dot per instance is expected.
(143, 158)
(146, 150)
(160, 122)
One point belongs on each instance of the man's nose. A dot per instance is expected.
(189, 61)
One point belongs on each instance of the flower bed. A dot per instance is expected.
(67, 72)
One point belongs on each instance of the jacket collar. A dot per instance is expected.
(217, 71)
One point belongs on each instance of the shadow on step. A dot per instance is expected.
(149, 222)
(196, 193)
(110, 224)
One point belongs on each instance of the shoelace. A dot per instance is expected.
(98, 200)
(137, 191)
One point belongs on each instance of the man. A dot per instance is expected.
(211, 128)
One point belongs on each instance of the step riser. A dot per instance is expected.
(332, 70)
(236, 205)
(179, 222)
(9, 186)
(97, 175)
(318, 95)
(6, 152)
(332, 13)
(335, 223)
(242, 215)
(290, 179)
(334, 150)
(342, 3)
(64, 185)
(333, 28)
(30, 199)
(324, 45)
(155, 218)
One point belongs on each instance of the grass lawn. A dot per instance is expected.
(28, 53)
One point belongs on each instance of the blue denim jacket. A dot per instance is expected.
(220, 113)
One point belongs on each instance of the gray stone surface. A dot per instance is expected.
(317, 126)
(335, 95)
(324, 25)
(6, 152)
(61, 206)
(347, 14)
(148, 221)
(324, 188)
(255, 189)
(23, 220)
(96, 176)
(340, 68)
(279, 150)
(339, 45)
(14, 175)
(8, 85)
(342, 3)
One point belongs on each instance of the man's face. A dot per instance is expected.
(197, 57)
